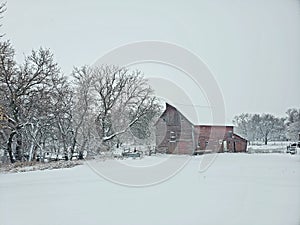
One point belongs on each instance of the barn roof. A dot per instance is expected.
(193, 116)
(236, 135)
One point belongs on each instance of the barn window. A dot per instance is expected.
(172, 136)
(199, 144)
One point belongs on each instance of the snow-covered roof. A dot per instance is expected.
(197, 115)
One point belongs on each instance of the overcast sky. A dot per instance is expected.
(251, 47)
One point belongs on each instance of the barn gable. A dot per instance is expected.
(174, 132)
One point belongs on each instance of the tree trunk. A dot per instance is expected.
(34, 155)
(9, 146)
(266, 140)
(31, 151)
(73, 145)
(103, 127)
(19, 147)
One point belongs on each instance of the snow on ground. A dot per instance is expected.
(237, 189)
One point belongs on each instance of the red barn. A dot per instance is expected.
(176, 134)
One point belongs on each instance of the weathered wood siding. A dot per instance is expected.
(174, 133)
(239, 144)
(212, 137)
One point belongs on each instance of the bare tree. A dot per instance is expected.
(2, 10)
(293, 124)
(268, 127)
(36, 104)
(263, 127)
(84, 133)
(243, 125)
(119, 99)
(26, 91)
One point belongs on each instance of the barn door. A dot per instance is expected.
(225, 149)
(172, 146)
(172, 142)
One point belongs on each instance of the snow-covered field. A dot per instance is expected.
(237, 189)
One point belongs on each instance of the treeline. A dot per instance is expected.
(267, 127)
(43, 111)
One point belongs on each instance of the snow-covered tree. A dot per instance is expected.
(293, 124)
(269, 127)
(2, 10)
(243, 125)
(263, 127)
(28, 97)
(41, 111)
(85, 137)
(119, 100)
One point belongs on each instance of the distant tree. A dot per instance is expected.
(242, 123)
(255, 124)
(293, 124)
(280, 130)
(247, 125)
(269, 126)
(263, 127)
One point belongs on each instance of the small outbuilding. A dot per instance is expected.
(175, 134)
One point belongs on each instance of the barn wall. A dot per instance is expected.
(236, 144)
(212, 137)
(185, 144)
(240, 143)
